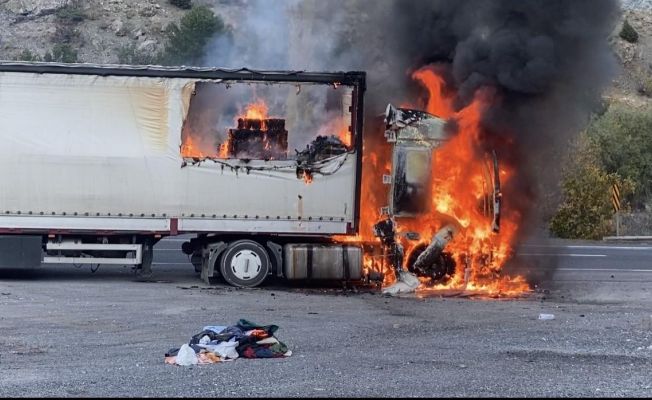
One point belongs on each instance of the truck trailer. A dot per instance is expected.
(261, 169)
(99, 162)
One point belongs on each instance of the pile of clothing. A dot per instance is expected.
(226, 343)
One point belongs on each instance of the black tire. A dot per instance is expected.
(244, 263)
(439, 272)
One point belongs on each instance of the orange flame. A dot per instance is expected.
(461, 179)
(256, 110)
(190, 150)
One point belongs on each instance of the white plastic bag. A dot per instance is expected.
(186, 356)
(223, 349)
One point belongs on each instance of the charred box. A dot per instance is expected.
(264, 139)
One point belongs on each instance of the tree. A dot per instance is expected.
(586, 211)
(628, 32)
(623, 140)
(186, 41)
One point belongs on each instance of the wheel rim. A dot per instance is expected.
(246, 265)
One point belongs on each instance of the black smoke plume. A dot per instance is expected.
(547, 62)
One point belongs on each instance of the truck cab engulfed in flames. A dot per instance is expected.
(415, 136)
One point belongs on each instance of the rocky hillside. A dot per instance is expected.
(634, 82)
(98, 30)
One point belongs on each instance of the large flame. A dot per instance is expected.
(461, 172)
(460, 178)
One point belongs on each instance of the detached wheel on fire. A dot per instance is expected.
(245, 263)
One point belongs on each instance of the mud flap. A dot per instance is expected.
(211, 254)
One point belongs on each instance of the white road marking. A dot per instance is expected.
(591, 247)
(560, 254)
(604, 269)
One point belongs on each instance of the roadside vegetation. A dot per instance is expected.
(616, 148)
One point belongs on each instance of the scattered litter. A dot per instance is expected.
(216, 343)
(546, 316)
(186, 356)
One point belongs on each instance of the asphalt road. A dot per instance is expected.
(70, 332)
(556, 261)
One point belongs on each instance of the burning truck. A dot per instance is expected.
(269, 171)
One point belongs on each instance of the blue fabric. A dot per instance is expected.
(215, 328)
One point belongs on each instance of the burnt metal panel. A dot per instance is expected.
(20, 251)
(411, 181)
(357, 126)
(352, 78)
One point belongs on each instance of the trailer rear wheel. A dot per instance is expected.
(245, 263)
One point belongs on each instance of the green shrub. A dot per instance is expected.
(628, 33)
(71, 13)
(129, 54)
(586, 211)
(183, 4)
(63, 53)
(186, 41)
(27, 55)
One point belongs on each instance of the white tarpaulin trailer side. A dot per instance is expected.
(90, 152)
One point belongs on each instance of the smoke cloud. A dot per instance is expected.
(545, 62)
(548, 62)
